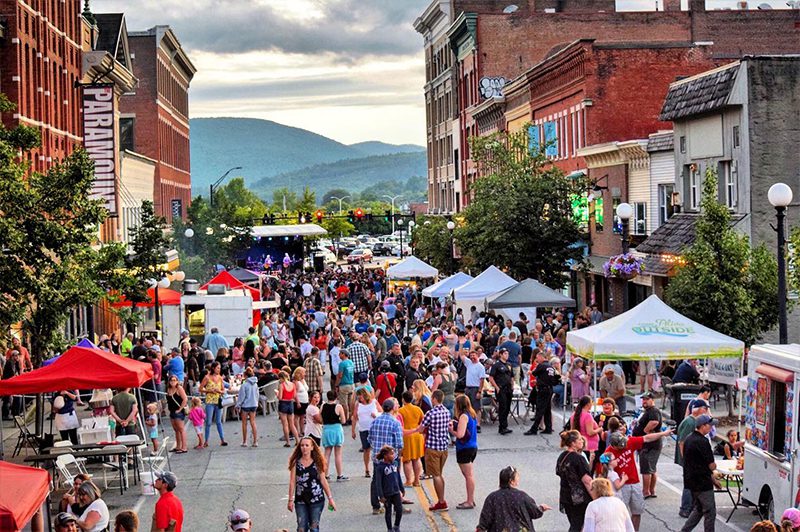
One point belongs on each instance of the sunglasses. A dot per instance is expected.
(239, 522)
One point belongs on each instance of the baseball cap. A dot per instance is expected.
(502, 350)
(168, 478)
(64, 517)
(608, 369)
(385, 364)
(705, 420)
(647, 395)
(618, 440)
(239, 519)
(792, 515)
(363, 377)
(699, 403)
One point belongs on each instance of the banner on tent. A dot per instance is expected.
(724, 370)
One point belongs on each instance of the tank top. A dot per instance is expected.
(287, 394)
(472, 443)
(365, 412)
(173, 403)
(329, 415)
(448, 388)
(213, 397)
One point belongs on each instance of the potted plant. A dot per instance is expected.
(625, 266)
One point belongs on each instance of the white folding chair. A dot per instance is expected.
(158, 461)
(62, 443)
(134, 453)
(68, 468)
(267, 397)
(121, 464)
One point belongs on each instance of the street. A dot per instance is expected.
(216, 480)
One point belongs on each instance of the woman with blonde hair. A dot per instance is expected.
(286, 392)
(422, 395)
(300, 399)
(606, 513)
(413, 441)
(308, 486)
(365, 411)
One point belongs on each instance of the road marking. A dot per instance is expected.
(138, 505)
(443, 514)
(425, 502)
(679, 491)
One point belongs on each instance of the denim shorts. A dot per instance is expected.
(364, 434)
(286, 407)
(249, 408)
(177, 415)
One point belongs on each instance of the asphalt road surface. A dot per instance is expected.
(217, 479)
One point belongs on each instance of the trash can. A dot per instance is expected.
(681, 395)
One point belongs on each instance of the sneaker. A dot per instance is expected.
(478, 429)
(506, 431)
(530, 432)
(439, 506)
(342, 478)
(377, 511)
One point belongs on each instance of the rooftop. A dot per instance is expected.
(699, 94)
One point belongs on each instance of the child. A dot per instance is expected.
(152, 424)
(608, 464)
(388, 487)
(198, 418)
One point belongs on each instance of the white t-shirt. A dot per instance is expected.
(334, 355)
(307, 290)
(607, 514)
(366, 415)
(613, 477)
(100, 507)
(312, 428)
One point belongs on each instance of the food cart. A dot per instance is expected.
(771, 472)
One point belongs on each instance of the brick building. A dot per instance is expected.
(492, 47)
(154, 120)
(40, 61)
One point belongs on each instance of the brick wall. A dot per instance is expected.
(606, 243)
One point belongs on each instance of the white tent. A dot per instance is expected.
(475, 292)
(447, 285)
(651, 331)
(411, 268)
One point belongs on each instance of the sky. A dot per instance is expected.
(352, 70)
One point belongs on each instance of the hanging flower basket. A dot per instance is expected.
(626, 266)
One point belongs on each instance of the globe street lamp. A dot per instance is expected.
(780, 196)
(624, 212)
(450, 226)
(400, 228)
(411, 225)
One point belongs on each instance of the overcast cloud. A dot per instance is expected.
(352, 70)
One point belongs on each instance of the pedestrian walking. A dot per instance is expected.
(333, 418)
(697, 408)
(287, 392)
(308, 485)
(314, 417)
(582, 421)
(509, 509)
(384, 431)
(366, 410)
(576, 480)
(649, 422)
(465, 430)
(388, 487)
(502, 378)
(698, 475)
(197, 415)
(247, 404)
(413, 441)
(168, 515)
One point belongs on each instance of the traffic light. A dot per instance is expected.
(351, 217)
(359, 214)
(269, 219)
(320, 215)
(387, 217)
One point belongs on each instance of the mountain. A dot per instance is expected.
(276, 155)
(351, 174)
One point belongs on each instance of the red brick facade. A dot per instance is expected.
(40, 61)
(160, 110)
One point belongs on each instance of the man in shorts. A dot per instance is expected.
(647, 372)
(345, 381)
(649, 422)
(436, 425)
(624, 450)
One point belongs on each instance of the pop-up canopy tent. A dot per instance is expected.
(651, 331)
(526, 296)
(444, 287)
(411, 268)
(474, 293)
(24, 491)
(165, 297)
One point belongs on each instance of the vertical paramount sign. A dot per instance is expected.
(98, 139)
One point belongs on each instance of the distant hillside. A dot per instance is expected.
(350, 174)
(266, 150)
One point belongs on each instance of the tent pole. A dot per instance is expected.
(2, 443)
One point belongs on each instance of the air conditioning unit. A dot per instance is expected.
(190, 287)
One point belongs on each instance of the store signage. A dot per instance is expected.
(663, 327)
(98, 139)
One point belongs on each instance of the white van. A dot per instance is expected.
(772, 429)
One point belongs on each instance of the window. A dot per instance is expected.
(682, 143)
(534, 140)
(617, 225)
(736, 139)
(126, 140)
(728, 171)
(639, 219)
(694, 185)
(665, 207)
(550, 140)
(598, 215)
(777, 414)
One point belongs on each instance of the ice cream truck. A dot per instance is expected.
(771, 472)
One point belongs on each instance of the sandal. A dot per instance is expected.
(406, 501)
(286, 445)
(465, 506)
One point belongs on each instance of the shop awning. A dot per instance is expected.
(24, 490)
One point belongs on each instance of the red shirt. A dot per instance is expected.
(386, 386)
(169, 508)
(626, 459)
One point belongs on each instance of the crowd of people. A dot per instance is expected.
(411, 381)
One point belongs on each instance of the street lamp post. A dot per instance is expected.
(624, 212)
(217, 183)
(411, 225)
(780, 196)
(163, 283)
(392, 198)
(400, 223)
(450, 226)
(340, 202)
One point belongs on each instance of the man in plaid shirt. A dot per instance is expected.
(360, 355)
(385, 430)
(436, 425)
(314, 371)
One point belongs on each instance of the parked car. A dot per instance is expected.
(381, 248)
(396, 250)
(359, 255)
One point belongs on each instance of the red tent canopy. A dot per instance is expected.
(80, 368)
(233, 283)
(165, 297)
(24, 491)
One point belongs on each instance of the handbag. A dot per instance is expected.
(58, 403)
(227, 400)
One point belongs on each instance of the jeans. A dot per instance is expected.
(558, 390)
(686, 502)
(703, 506)
(308, 516)
(214, 411)
(393, 502)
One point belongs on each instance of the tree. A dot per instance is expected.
(520, 217)
(724, 283)
(148, 245)
(431, 240)
(335, 193)
(337, 227)
(793, 259)
(51, 261)
(307, 202)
